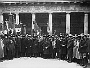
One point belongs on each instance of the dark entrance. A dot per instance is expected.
(77, 23)
(7, 18)
(59, 22)
(42, 20)
(26, 19)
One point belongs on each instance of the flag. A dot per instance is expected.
(0, 26)
(11, 21)
(48, 28)
(37, 30)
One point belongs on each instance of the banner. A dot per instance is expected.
(37, 30)
(0, 26)
(48, 28)
(11, 21)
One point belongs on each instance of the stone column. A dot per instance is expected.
(1, 18)
(24, 28)
(85, 23)
(50, 23)
(68, 22)
(1, 21)
(33, 19)
(17, 18)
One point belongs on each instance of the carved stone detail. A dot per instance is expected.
(46, 8)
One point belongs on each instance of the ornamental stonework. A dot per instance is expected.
(46, 8)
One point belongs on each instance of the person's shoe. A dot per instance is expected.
(70, 61)
(1, 60)
(84, 66)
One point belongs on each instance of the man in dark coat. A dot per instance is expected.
(70, 46)
(47, 48)
(6, 42)
(17, 47)
(83, 49)
(41, 42)
(88, 48)
(54, 48)
(35, 47)
(58, 46)
(11, 48)
(63, 50)
(23, 43)
(29, 44)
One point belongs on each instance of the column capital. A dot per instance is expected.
(68, 12)
(50, 12)
(86, 12)
(33, 13)
(1, 13)
(17, 13)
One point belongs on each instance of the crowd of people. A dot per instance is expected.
(72, 48)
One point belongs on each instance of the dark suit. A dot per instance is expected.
(58, 46)
(63, 50)
(88, 48)
(35, 47)
(70, 46)
(23, 45)
(47, 49)
(11, 49)
(41, 48)
(18, 47)
(6, 42)
(29, 44)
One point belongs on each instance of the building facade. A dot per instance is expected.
(61, 17)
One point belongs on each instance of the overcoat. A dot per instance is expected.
(35, 46)
(1, 48)
(47, 47)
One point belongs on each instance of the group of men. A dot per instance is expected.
(65, 47)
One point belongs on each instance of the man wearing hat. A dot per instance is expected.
(47, 48)
(58, 46)
(83, 49)
(23, 45)
(5, 42)
(35, 47)
(70, 45)
(88, 48)
(17, 46)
